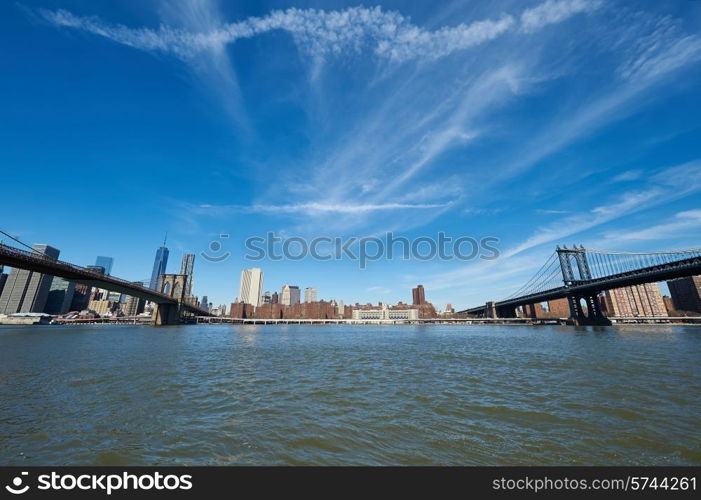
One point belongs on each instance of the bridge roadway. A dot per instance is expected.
(651, 274)
(36, 262)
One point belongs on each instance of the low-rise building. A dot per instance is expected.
(384, 313)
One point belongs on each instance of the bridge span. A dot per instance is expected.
(580, 275)
(168, 308)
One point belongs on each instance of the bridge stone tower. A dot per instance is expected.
(175, 286)
(591, 313)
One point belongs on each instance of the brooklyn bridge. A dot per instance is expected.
(169, 297)
(580, 275)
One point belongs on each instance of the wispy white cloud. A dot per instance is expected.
(310, 209)
(554, 11)
(668, 184)
(653, 47)
(388, 34)
(523, 258)
(682, 224)
(628, 175)
(547, 211)
(650, 49)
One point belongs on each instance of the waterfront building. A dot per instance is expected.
(159, 266)
(418, 295)
(105, 263)
(103, 307)
(251, 286)
(686, 293)
(219, 311)
(133, 305)
(60, 296)
(669, 305)
(26, 291)
(385, 314)
(187, 266)
(310, 294)
(340, 308)
(636, 300)
(290, 295)
(204, 302)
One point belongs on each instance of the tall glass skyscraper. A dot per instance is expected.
(159, 266)
(105, 263)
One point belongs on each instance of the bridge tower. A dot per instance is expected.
(175, 286)
(591, 313)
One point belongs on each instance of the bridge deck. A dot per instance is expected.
(650, 274)
(36, 262)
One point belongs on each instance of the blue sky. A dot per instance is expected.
(537, 122)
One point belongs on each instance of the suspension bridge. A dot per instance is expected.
(579, 275)
(170, 306)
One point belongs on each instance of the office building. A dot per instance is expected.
(636, 300)
(418, 295)
(186, 267)
(103, 307)
(267, 298)
(251, 286)
(290, 295)
(274, 298)
(159, 266)
(310, 294)
(204, 303)
(3, 278)
(26, 291)
(105, 263)
(60, 296)
(133, 305)
(686, 293)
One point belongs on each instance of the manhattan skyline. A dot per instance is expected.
(540, 123)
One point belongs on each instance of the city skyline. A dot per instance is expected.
(530, 133)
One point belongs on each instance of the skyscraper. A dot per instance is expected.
(60, 296)
(159, 266)
(310, 294)
(186, 267)
(105, 263)
(686, 293)
(27, 291)
(418, 295)
(290, 295)
(251, 286)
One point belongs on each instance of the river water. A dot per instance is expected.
(413, 395)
